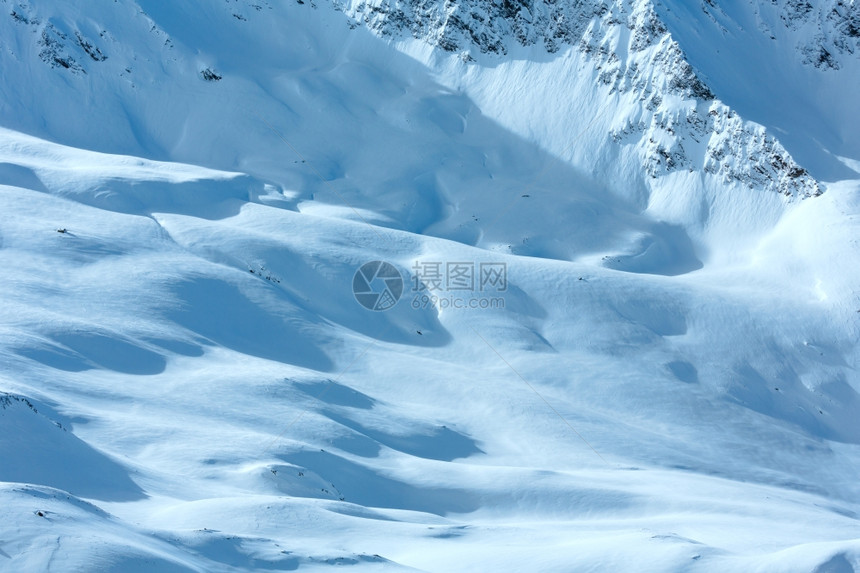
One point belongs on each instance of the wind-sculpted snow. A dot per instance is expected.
(191, 378)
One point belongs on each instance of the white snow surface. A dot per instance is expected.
(187, 382)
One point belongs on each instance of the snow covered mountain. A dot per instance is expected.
(654, 366)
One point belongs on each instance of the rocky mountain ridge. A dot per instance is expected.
(633, 52)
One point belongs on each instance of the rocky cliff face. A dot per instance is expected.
(825, 31)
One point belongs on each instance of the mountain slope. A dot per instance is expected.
(616, 98)
(668, 378)
(794, 67)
